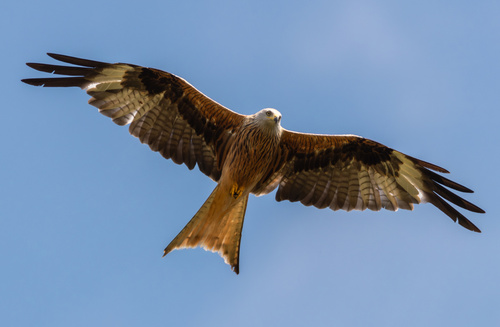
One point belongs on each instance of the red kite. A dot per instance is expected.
(251, 154)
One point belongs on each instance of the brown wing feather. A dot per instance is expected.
(163, 110)
(350, 172)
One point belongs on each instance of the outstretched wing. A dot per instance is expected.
(163, 110)
(350, 172)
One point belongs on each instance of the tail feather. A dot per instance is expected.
(214, 229)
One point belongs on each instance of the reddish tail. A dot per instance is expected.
(215, 228)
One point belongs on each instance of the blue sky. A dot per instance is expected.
(87, 210)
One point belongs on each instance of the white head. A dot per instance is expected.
(268, 117)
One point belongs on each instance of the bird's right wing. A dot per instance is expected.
(163, 110)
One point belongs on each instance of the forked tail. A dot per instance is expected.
(215, 229)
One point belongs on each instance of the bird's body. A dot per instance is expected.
(217, 225)
(247, 162)
(252, 154)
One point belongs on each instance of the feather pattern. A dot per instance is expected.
(350, 172)
(251, 154)
(163, 110)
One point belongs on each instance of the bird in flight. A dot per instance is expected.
(251, 153)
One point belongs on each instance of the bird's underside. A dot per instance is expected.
(252, 154)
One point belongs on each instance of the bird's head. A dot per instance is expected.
(268, 117)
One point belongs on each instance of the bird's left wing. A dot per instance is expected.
(163, 110)
(350, 172)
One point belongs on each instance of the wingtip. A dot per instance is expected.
(466, 223)
(76, 61)
(466, 189)
(474, 229)
(32, 81)
(430, 165)
(54, 55)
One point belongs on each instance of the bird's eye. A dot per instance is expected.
(268, 113)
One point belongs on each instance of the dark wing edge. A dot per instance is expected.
(163, 110)
(350, 172)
